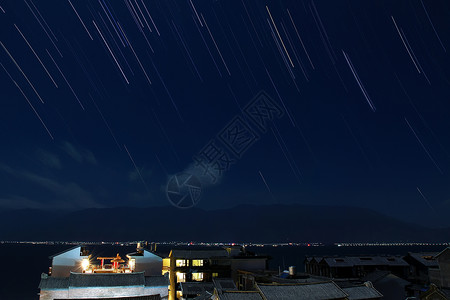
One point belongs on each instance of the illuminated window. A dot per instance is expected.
(197, 276)
(166, 262)
(181, 277)
(132, 264)
(215, 274)
(197, 262)
(181, 263)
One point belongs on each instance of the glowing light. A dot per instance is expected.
(131, 264)
(85, 264)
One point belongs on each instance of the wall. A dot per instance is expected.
(150, 263)
(68, 261)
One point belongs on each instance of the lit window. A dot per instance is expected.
(215, 274)
(181, 277)
(132, 264)
(197, 276)
(166, 262)
(181, 263)
(197, 262)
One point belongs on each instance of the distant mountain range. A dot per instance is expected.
(245, 223)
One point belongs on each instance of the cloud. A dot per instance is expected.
(67, 195)
(79, 154)
(48, 159)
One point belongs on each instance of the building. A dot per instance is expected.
(130, 286)
(68, 261)
(355, 266)
(391, 286)
(75, 274)
(420, 264)
(207, 263)
(440, 276)
(146, 261)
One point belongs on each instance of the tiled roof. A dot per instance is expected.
(240, 295)
(422, 258)
(196, 288)
(350, 261)
(102, 280)
(224, 284)
(49, 282)
(309, 291)
(156, 281)
(362, 292)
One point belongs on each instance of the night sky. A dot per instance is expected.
(102, 102)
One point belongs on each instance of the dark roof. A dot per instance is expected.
(203, 296)
(362, 292)
(350, 261)
(150, 297)
(49, 282)
(194, 254)
(375, 275)
(224, 284)
(196, 288)
(240, 295)
(102, 280)
(313, 291)
(156, 280)
(422, 258)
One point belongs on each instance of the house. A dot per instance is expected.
(117, 286)
(355, 266)
(68, 261)
(75, 274)
(440, 276)
(204, 264)
(420, 264)
(146, 261)
(391, 286)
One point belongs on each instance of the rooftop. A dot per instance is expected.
(102, 280)
(310, 291)
(362, 292)
(350, 261)
(425, 258)
(240, 295)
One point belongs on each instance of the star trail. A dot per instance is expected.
(364, 87)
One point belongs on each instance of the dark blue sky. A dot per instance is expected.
(364, 85)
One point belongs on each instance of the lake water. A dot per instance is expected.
(22, 264)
